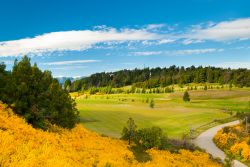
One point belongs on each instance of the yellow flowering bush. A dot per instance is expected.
(22, 145)
(225, 139)
(235, 141)
(184, 159)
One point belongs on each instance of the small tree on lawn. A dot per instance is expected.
(129, 131)
(230, 86)
(152, 103)
(186, 96)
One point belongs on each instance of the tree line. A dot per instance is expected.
(36, 96)
(161, 77)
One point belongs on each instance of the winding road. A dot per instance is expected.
(205, 141)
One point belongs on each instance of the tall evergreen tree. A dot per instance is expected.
(129, 132)
(152, 103)
(67, 84)
(186, 96)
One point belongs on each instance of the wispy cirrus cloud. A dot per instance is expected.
(146, 53)
(71, 62)
(73, 40)
(68, 67)
(194, 51)
(158, 42)
(152, 34)
(238, 29)
(155, 26)
(177, 52)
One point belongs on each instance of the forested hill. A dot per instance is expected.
(156, 77)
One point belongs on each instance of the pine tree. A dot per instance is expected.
(143, 90)
(152, 103)
(186, 96)
(129, 132)
(67, 85)
(230, 86)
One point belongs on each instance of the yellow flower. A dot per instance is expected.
(234, 141)
(22, 145)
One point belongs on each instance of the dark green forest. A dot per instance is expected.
(162, 77)
(36, 96)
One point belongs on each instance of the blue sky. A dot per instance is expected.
(78, 38)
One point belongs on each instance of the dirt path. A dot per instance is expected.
(205, 141)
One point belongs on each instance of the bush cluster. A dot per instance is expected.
(153, 137)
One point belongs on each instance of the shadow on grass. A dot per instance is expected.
(140, 153)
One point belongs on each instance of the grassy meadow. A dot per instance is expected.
(107, 114)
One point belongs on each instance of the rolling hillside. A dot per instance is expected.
(22, 145)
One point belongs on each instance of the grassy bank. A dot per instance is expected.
(107, 114)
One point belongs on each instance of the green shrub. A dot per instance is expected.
(150, 137)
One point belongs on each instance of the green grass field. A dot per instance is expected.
(107, 114)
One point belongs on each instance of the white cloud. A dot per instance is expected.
(194, 51)
(158, 42)
(190, 41)
(71, 62)
(154, 26)
(152, 34)
(68, 68)
(234, 65)
(164, 41)
(178, 52)
(238, 29)
(147, 53)
(73, 40)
